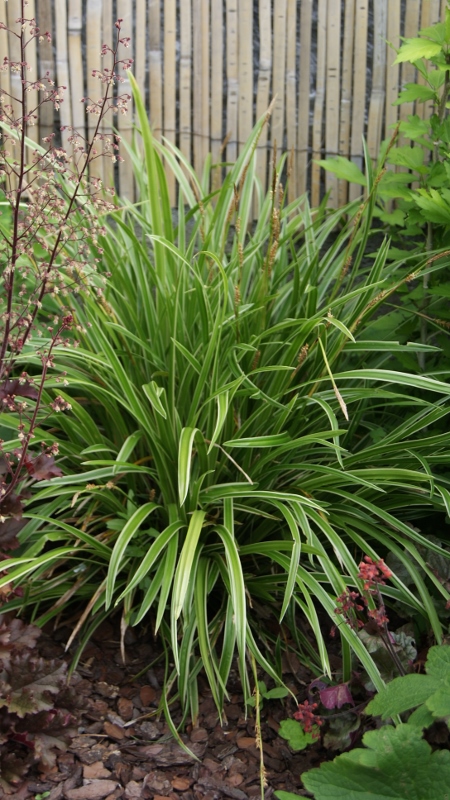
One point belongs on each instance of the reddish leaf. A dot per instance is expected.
(8, 533)
(11, 389)
(15, 636)
(336, 696)
(11, 506)
(43, 468)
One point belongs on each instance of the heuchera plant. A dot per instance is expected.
(50, 204)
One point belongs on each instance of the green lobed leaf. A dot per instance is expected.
(396, 763)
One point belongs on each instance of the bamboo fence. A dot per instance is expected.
(208, 69)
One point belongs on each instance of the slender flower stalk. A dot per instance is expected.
(49, 231)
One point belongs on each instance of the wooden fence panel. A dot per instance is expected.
(210, 68)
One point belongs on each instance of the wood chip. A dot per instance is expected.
(181, 784)
(125, 708)
(245, 741)
(199, 735)
(147, 695)
(95, 790)
(113, 730)
(95, 771)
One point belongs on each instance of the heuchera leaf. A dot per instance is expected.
(396, 763)
(30, 683)
(11, 389)
(43, 467)
(336, 696)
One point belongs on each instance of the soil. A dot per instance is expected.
(123, 748)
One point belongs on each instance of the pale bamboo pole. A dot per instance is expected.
(304, 96)
(232, 79)
(359, 90)
(94, 87)
(169, 87)
(278, 71)
(200, 9)
(45, 53)
(125, 121)
(317, 139)
(186, 78)
(263, 90)
(62, 71)
(108, 37)
(245, 66)
(408, 72)
(14, 12)
(140, 44)
(377, 97)
(5, 77)
(346, 92)
(32, 128)
(217, 47)
(76, 66)
(155, 67)
(291, 92)
(430, 14)
(332, 112)
(392, 70)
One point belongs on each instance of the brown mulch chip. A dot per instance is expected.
(124, 750)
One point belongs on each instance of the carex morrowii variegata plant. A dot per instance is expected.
(237, 437)
(47, 201)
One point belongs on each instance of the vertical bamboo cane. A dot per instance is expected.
(346, 96)
(76, 67)
(377, 98)
(45, 56)
(304, 91)
(155, 67)
(359, 90)
(332, 94)
(291, 91)
(317, 140)
(108, 38)
(245, 108)
(32, 128)
(429, 16)
(169, 88)
(140, 44)
(62, 71)
(94, 87)
(201, 81)
(185, 79)
(232, 79)
(14, 12)
(216, 89)
(392, 70)
(408, 72)
(279, 71)
(263, 91)
(125, 122)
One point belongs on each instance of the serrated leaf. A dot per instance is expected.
(406, 156)
(414, 91)
(344, 169)
(414, 49)
(410, 691)
(397, 762)
(291, 730)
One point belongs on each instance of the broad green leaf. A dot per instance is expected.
(413, 49)
(291, 730)
(414, 91)
(343, 168)
(396, 763)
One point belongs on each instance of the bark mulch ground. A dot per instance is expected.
(123, 749)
